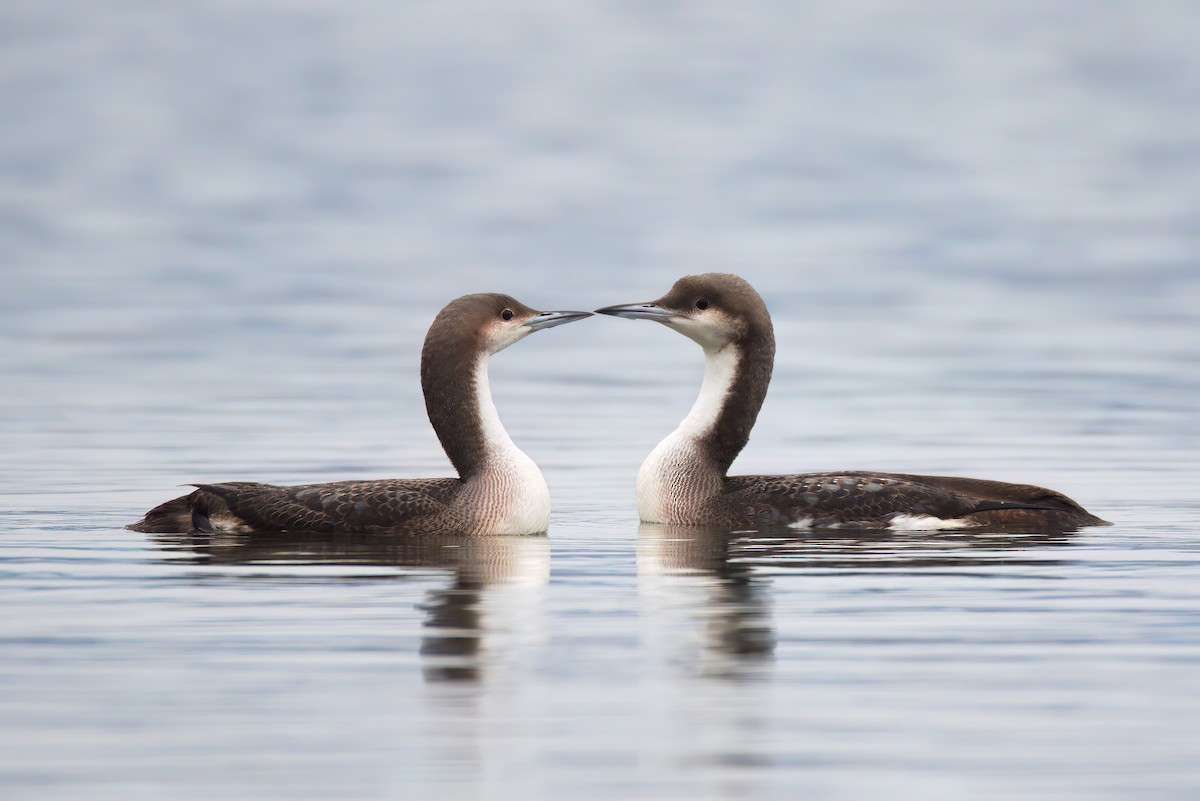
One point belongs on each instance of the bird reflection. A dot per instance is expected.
(713, 585)
(688, 572)
(494, 592)
(874, 549)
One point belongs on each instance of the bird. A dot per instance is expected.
(685, 481)
(498, 490)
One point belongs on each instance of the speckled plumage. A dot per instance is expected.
(866, 499)
(345, 506)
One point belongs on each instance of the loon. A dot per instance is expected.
(685, 481)
(499, 489)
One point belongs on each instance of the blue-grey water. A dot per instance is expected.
(225, 227)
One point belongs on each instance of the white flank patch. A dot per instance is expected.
(897, 523)
(926, 523)
(521, 498)
(673, 456)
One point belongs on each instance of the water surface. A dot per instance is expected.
(226, 229)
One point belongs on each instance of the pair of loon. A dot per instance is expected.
(684, 480)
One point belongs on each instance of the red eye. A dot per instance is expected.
(507, 314)
(702, 304)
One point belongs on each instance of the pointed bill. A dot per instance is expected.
(549, 319)
(639, 311)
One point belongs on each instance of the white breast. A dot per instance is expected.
(669, 479)
(511, 493)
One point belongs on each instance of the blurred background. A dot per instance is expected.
(225, 227)
(195, 194)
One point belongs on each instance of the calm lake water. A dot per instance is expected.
(224, 230)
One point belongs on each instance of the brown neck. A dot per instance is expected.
(448, 379)
(730, 430)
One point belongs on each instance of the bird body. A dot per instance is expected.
(499, 489)
(685, 481)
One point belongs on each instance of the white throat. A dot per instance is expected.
(671, 481)
(510, 492)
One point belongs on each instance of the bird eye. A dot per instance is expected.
(507, 314)
(702, 304)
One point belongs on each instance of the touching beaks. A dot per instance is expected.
(549, 319)
(639, 311)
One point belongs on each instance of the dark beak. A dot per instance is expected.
(549, 319)
(639, 311)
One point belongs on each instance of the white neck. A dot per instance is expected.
(510, 493)
(672, 476)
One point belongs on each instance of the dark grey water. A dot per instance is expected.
(224, 229)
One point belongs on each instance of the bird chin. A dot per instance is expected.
(707, 335)
(503, 337)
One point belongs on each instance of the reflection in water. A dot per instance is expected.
(842, 549)
(703, 581)
(690, 584)
(493, 599)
